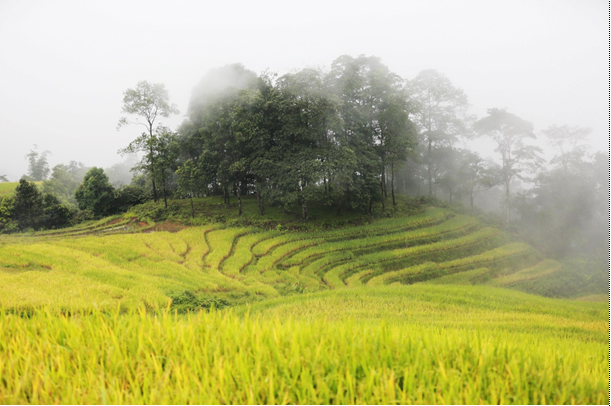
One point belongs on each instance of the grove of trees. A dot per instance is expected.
(349, 138)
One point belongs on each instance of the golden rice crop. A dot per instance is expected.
(391, 346)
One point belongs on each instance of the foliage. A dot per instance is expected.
(95, 193)
(566, 213)
(38, 167)
(300, 138)
(439, 111)
(568, 142)
(56, 214)
(64, 180)
(29, 209)
(28, 205)
(190, 182)
(575, 277)
(147, 102)
(188, 301)
(6, 214)
(127, 196)
(510, 133)
(159, 160)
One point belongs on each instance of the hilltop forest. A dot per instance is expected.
(348, 139)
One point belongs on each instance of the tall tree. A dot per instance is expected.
(189, 181)
(371, 118)
(307, 137)
(397, 139)
(565, 213)
(28, 205)
(167, 151)
(446, 169)
(147, 102)
(476, 175)
(439, 110)
(215, 134)
(568, 143)
(38, 167)
(510, 132)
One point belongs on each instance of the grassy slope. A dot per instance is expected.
(389, 345)
(343, 340)
(7, 188)
(119, 259)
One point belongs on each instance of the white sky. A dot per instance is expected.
(65, 64)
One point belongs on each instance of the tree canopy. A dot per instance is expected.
(303, 137)
(95, 194)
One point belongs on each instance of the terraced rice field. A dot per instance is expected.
(120, 260)
(86, 317)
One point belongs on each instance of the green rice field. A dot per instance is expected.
(7, 188)
(401, 310)
(104, 264)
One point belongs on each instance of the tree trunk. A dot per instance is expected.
(239, 198)
(471, 199)
(165, 196)
(392, 183)
(429, 169)
(260, 202)
(304, 209)
(384, 194)
(507, 194)
(192, 209)
(155, 199)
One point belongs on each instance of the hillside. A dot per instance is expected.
(131, 260)
(7, 188)
(340, 310)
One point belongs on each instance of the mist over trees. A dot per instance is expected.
(349, 138)
(38, 167)
(300, 138)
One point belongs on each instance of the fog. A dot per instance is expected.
(64, 65)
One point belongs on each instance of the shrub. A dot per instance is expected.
(127, 197)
